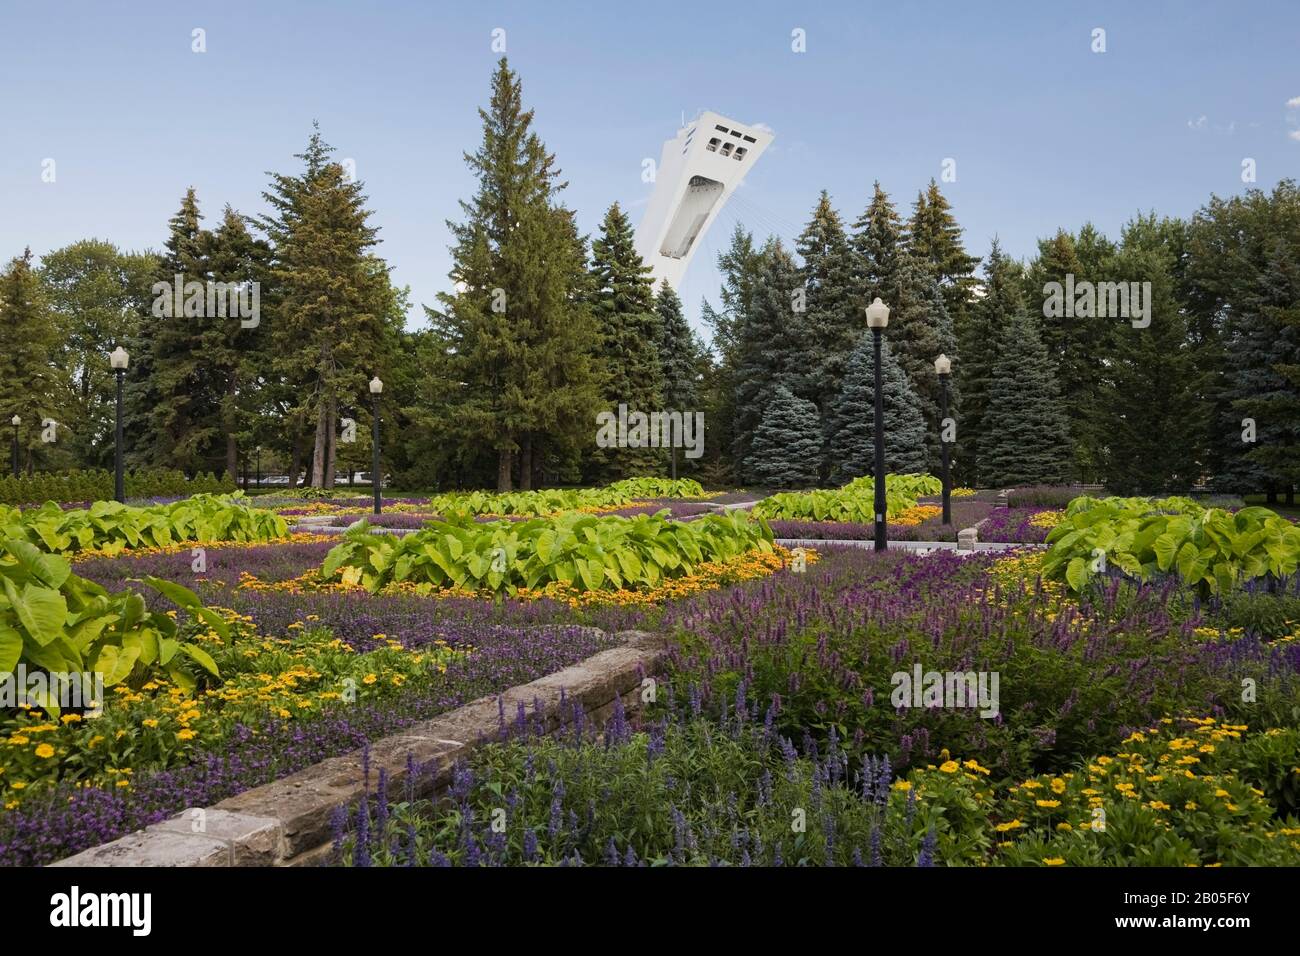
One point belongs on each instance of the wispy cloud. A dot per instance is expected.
(1294, 103)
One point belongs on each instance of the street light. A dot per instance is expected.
(943, 368)
(15, 421)
(119, 360)
(376, 387)
(877, 319)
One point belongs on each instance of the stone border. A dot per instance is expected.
(288, 822)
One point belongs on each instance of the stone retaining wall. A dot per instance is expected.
(287, 822)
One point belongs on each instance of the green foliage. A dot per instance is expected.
(658, 488)
(1027, 432)
(855, 502)
(786, 449)
(745, 791)
(631, 332)
(585, 552)
(533, 503)
(1207, 548)
(29, 340)
(518, 334)
(97, 484)
(111, 527)
(53, 621)
(852, 445)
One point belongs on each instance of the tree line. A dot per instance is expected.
(545, 327)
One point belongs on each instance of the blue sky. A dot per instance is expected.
(1044, 132)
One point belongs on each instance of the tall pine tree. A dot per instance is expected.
(630, 336)
(853, 444)
(28, 382)
(977, 340)
(519, 327)
(786, 450)
(681, 356)
(1028, 439)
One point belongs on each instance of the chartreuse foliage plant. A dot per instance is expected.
(855, 502)
(659, 488)
(528, 503)
(1209, 549)
(110, 527)
(53, 621)
(584, 552)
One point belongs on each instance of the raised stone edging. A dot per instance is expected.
(288, 822)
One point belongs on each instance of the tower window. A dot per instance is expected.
(713, 145)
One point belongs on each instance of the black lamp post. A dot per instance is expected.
(259, 467)
(376, 387)
(877, 319)
(119, 360)
(943, 368)
(15, 421)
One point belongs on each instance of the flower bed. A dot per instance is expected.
(162, 752)
(1019, 525)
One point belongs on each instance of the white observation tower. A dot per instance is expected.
(697, 172)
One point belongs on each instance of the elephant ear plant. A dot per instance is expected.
(585, 552)
(55, 622)
(111, 527)
(1209, 549)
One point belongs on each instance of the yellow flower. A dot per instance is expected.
(1190, 805)
(1054, 861)
(45, 751)
(19, 784)
(1049, 804)
(1058, 785)
(150, 722)
(70, 718)
(949, 766)
(185, 734)
(1063, 827)
(1004, 827)
(1158, 805)
(369, 679)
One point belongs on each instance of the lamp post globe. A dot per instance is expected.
(376, 483)
(943, 368)
(119, 360)
(877, 320)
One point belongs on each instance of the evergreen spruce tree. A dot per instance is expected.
(920, 330)
(771, 344)
(786, 450)
(1275, 311)
(519, 327)
(329, 315)
(853, 446)
(832, 315)
(976, 342)
(630, 336)
(172, 411)
(741, 265)
(934, 238)
(28, 380)
(1027, 431)
(234, 350)
(682, 358)
(879, 242)
(1150, 437)
(1078, 345)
